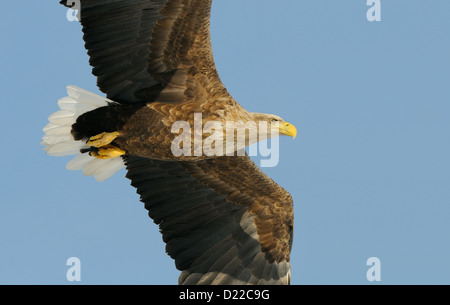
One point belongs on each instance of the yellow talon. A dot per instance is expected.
(107, 152)
(102, 139)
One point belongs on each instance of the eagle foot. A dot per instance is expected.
(102, 139)
(107, 152)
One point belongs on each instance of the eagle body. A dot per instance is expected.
(166, 118)
(145, 129)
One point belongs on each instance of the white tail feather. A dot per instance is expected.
(59, 142)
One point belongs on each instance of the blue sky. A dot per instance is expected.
(369, 170)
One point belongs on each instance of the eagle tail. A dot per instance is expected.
(58, 140)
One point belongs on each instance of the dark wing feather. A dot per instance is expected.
(147, 50)
(117, 35)
(223, 220)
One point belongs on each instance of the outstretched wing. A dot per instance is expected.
(146, 50)
(223, 220)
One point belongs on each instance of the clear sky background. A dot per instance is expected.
(369, 171)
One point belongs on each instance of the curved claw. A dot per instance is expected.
(107, 152)
(102, 139)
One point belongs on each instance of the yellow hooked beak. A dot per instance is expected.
(288, 130)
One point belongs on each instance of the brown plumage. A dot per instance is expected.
(223, 219)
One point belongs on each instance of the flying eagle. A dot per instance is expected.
(223, 220)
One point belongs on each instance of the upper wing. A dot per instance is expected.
(142, 50)
(224, 220)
